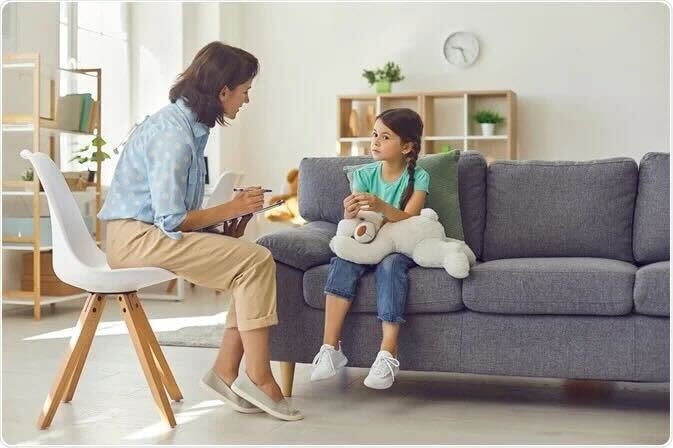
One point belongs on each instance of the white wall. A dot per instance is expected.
(155, 42)
(159, 57)
(591, 79)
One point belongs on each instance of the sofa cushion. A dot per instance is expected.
(323, 185)
(652, 216)
(560, 209)
(591, 286)
(430, 291)
(472, 196)
(443, 191)
(301, 247)
(651, 293)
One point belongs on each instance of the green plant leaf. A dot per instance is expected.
(102, 156)
(98, 141)
(487, 116)
(82, 149)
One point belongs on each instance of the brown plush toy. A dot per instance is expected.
(290, 210)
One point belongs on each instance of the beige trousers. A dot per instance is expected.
(206, 259)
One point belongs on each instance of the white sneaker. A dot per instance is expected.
(327, 363)
(383, 371)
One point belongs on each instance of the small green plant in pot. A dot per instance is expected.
(29, 176)
(89, 155)
(383, 77)
(488, 119)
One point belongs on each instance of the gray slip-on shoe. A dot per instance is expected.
(214, 384)
(244, 387)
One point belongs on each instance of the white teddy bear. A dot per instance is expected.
(420, 237)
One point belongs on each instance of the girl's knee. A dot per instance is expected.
(393, 263)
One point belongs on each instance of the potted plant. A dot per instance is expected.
(89, 154)
(488, 119)
(384, 77)
(29, 176)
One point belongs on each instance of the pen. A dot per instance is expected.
(244, 189)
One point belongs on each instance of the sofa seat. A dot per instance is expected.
(430, 291)
(651, 294)
(582, 286)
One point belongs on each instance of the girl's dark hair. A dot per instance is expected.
(407, 124)
(216, 65)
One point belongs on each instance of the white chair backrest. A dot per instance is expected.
(223, 190)
(72, 243)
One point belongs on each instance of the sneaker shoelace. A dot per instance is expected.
(322, 353)
(383, 364)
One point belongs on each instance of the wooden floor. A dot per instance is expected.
(113, 404)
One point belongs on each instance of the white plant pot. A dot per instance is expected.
(487, 129)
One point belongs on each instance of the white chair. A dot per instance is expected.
(224, 188)
(79, 262)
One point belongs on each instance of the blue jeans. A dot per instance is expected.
(391, 283)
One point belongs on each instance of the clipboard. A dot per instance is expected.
(213, 227)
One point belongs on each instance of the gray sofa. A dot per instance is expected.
(572, 278)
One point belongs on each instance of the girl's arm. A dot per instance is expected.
(413, 208)
(391, 213)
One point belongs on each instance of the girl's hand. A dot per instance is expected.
(351, 207)
(248, 201)
(369, 202)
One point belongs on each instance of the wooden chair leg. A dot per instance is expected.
(97, 312)
(146, 359)
(73, 352)
(286, 377)
(145, 328)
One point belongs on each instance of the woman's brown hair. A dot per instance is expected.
(408, 125)
(216, 65)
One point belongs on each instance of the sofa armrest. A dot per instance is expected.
(301, 247)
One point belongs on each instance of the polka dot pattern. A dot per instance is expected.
(160, 174)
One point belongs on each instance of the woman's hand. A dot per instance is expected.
(248, 201)
(351, 207)
(236, 227)
(369, 202)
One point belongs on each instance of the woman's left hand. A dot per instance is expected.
(369, 202)
(236, 227)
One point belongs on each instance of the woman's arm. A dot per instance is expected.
(243, 203)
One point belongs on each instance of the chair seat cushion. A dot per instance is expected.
(590, 286)
(651, 294)
(430, 291)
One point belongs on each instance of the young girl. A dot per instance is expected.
(395, 187)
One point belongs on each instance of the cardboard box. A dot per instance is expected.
(50, 285)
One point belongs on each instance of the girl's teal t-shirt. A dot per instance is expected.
(368, 179)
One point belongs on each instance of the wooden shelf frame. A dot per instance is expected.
(425, 104)
(37, 124)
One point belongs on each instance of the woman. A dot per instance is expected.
(153, 209)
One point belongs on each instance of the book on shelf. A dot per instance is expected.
(69, 112)
(77, 112)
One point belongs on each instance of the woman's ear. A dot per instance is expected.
(224, 92)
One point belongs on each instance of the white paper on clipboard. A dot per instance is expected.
(262, 210)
